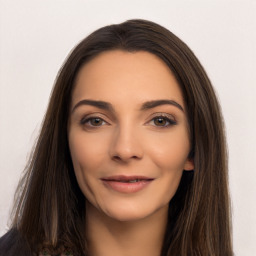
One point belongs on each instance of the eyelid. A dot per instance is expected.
(91, 116)
(170, 118)
(162, 114)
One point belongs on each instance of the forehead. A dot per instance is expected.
(118, 74)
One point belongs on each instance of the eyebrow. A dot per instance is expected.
(96, 103)
(145, 106)
(155, 103)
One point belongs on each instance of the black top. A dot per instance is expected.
(13, 244)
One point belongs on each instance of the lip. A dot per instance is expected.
(127, 184)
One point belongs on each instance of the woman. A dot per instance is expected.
(131, 158)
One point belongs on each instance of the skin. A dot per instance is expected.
(127, 140)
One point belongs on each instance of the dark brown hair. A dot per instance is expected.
(50, 207)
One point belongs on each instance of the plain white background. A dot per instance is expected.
(36, 36)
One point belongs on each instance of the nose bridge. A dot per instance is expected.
(126, 143)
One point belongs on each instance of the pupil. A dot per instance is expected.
(96, 121)
(160, 121)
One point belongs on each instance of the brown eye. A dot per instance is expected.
(160, 121)
(95, 121)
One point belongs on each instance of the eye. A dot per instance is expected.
(162, 121)
(93, 121)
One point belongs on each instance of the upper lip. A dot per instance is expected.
(126, 178)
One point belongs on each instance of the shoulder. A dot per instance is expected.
(12, 243)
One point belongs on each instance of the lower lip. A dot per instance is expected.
(125, 187)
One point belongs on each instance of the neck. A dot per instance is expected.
(109, 237)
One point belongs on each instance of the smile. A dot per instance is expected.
(126, 184)
(131, 181)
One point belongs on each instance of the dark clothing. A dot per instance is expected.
(13, 244)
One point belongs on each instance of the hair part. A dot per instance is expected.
(49, 202)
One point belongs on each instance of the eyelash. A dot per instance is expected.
(164, 117)
(85, 121)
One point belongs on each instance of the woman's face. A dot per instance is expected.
(128, 134)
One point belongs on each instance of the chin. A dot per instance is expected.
(130, 214)
(133, 216)
(127, 217)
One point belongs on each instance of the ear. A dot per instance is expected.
(189, 165)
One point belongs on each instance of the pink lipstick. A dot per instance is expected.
(127, 184)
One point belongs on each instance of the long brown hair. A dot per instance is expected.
(50, 207)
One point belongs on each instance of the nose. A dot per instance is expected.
(126, 145)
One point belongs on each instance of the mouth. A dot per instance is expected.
(127, 184)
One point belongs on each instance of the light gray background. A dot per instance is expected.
(36, 36)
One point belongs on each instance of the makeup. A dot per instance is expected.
(127, 184)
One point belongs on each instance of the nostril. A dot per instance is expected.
(116, 157)
(124, 148)
(123, 158)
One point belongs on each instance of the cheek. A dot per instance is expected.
(86, 151)
(88, 154)
(170, 156)
(170, 151)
